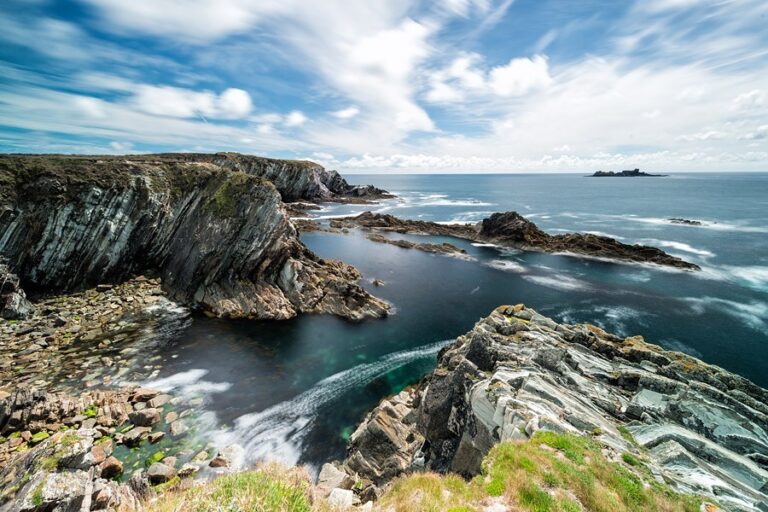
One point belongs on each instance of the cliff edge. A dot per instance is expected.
(215, 231)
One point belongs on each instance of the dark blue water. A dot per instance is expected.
(294, 390)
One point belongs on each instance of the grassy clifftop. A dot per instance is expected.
(548, 473)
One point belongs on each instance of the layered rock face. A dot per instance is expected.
(218, 238)
(701, 428)
(295, 179)
(513, 230)
(13, 301)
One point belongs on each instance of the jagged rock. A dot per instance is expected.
(228, 457)
(56, 491)
(111, 467)
(13, 301)
(145, 417)
(136, 435)
(385, 444)
(188, 470)
(159, 473)
(211, 226)
(341, 499)
(331, 477)
(513, 230)
(518, 372)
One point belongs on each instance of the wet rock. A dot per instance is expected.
(136, 435)
(188, 470)
(228, 457)
(159, 401)
(145, 417)
(511, 229)
(518, 372)
(159, 473)
(178, 428)
(111, 467)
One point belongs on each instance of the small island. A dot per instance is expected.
(624, 174)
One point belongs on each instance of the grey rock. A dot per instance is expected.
(159, 473)
(212, 226)
(145, 417)
(702, 426)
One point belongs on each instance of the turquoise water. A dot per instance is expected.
(294, 390)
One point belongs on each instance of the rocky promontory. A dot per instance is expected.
(510, 229)
(212, 227)
(693, 426)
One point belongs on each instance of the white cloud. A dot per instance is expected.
(346, 113)
(464, 77)
(295, 118)
(705, 135)
(178, 102)
(190, 20)
(752, 99)
(761, 132)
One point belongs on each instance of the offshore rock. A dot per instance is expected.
(218, 236)
(513, 230)
(703, 429)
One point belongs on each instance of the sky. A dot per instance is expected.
(393, 85)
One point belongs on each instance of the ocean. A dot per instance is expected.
(295, 390)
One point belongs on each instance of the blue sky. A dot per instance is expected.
(393, 85)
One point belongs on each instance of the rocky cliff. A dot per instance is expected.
(695, 426)
(212, 228)
(511, 229)
(295, 179)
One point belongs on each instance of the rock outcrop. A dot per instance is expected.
(217, 236)
(511, 229)
(701, 428)
(296, 180)
(14, 304)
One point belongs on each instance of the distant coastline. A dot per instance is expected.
(624, 174)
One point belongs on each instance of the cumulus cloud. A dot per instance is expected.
(520, 76)
(464, 77)
(346, 113)
(295, 118)
(178, 102)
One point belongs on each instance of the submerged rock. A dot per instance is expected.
(211, 226)
(702, 429)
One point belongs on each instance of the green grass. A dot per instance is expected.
(551, 472)
(91, 411)
(268, 489)
(627, 435)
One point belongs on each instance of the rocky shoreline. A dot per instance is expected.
(510, 229)
(694, 426)
(213, 227)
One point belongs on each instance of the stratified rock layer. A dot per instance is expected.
(218, 238)
(14, 304)
(703, 429)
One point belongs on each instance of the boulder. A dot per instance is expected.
(159, 473)
(145, 417)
